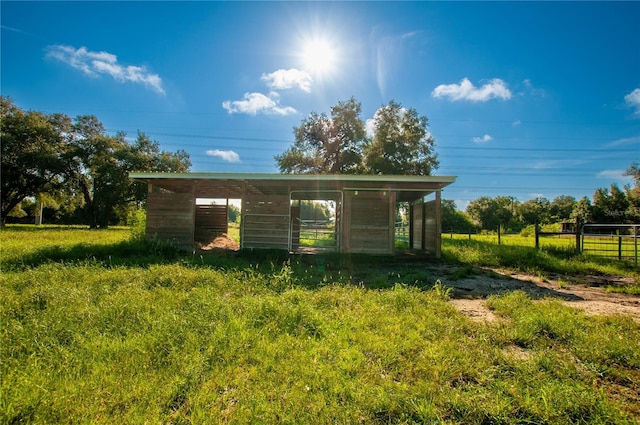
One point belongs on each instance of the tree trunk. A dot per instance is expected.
(90, 206)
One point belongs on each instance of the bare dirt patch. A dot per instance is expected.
(584, 292)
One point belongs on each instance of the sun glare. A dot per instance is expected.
(318, 57)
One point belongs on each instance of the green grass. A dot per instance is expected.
(96, 328)
(549, 259)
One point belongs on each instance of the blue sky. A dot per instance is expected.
(523, 99)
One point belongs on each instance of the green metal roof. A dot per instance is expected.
(233, 185)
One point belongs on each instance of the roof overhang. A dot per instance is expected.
(298, 186)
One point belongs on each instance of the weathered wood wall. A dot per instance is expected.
(417, 227)
(170, 217)
(431, 235)
(211, 222)
(265, 222)
(369, 222)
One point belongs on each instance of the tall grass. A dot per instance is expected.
(558, 259)
(131, 332)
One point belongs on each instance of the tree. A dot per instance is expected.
(32, 154)
(234, 213)
(633, 193)
(561, 207)
(337, 144)
(314, 210)
(72, 160)
(401, 143)
(100, 165)
(327, 145)
(453, 219)
(535, 211)
(582, 212)
(490, 213)
(610, 206)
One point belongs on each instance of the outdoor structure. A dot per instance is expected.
(363, 205)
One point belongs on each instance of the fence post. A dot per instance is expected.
(535, 231)
(635, 244)
(578, 234)
(619, 247)
(498, 235)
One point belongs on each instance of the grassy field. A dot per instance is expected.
(556, 255)
(99, 328)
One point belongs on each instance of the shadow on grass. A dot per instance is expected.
(562, 260)
(125, 253)
(466, 277)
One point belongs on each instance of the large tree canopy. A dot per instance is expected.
(337, 144)
(327, 145)
(401, 143)
(490, 213)
(59, 156)
(33, 152)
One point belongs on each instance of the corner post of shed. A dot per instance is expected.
(438, 214)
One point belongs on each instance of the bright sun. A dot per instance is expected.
(318, 57)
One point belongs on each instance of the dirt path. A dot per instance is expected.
(584, 292)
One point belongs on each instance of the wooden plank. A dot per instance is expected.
(210, 222)
(370, 224)
(418, 220)
(170, 218)
(430, 230)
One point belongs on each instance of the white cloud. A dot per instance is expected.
(484, 139)
(516, 123)
(96, 63)
(624, 142)
(257, 103)
(495, 88)
(229, 156)
(613, 175)
(633, 100)
(370, 127)
(283, 79)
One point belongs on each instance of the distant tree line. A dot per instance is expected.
(77, 170)
(610, 205)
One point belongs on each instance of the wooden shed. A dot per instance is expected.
(364, 208)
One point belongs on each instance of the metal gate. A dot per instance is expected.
(315, 235)
(618, 241)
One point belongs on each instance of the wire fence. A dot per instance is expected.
(615, 241)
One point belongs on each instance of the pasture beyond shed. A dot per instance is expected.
(364, 208)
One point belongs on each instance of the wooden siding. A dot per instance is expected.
(265, 222)
(170, 218)
(418, 220)
(211, 222)
(369, 223)
(430, 227)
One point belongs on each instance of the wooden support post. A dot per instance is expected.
(536, 232)
(498, 235)
(411, 224)
(438, 218)
(423, 236)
